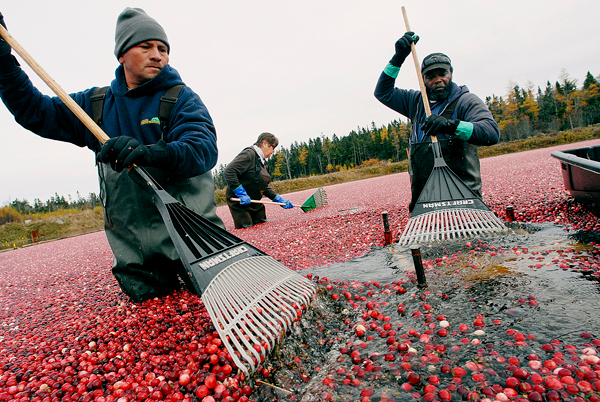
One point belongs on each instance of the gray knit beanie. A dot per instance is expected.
(135, 26)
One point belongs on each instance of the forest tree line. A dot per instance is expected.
(55, 203)
(522, 113)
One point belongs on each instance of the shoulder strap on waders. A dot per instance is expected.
(257, 164)
(167, 101)
(447, 113)
(97, 99)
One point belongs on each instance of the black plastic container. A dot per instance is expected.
(581, 173)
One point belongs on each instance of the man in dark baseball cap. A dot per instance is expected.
(460, 120)
(435, 60)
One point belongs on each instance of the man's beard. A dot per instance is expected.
(439, 95)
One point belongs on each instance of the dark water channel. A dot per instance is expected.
(533, 294)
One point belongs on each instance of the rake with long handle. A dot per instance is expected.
(264, 202)
(447, 208)
(252, 299)
(317, 200)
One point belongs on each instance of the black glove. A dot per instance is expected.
(4, 46)
(436, 124)
(124, 152)
(403, 48)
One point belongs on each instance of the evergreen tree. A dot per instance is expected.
(591, 108)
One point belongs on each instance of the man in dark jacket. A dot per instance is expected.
(460, 120)
(146, 264)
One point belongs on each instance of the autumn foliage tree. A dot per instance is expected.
(525, 112)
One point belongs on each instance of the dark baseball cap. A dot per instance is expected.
(435, 60)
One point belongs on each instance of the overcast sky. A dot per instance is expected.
(298, 69)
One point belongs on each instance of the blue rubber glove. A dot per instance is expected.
(241, 193)
(288, 203)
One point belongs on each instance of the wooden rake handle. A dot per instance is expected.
(263, 202)
(71, 104)
(418, 70)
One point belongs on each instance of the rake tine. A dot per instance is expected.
(467, 223)
(246, 306)
(477, 217)
(226, 333)
(462, 226)
(444, 225)
(297, 284)
(254, 307)
(450, 224)
(244, 310)
(245, 318)
(271, 301)
(428, 222)
(247, 333)
(441, 225)
(431, 227)
(418, 224)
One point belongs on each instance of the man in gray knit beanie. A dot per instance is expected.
(178, 148)
(135, 26)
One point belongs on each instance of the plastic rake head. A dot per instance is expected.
(252, 304)
(450, 224)
(317, 200)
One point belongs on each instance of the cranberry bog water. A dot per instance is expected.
(514, 317)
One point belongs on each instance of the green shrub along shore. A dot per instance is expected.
(20, 230)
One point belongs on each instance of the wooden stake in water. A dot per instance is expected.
(510, 213)
(387, 233)
(418, 261)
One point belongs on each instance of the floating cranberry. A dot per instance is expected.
(553, 396)
(553, 383)
(512, 382)
(414, 378)
(521, 374)
(445, 395)
(535, 396)
(488, 391)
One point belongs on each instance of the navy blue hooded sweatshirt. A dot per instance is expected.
(191, 136)
(409, 103)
